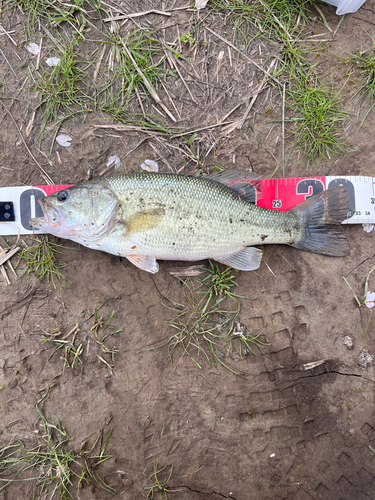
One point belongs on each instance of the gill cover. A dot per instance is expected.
(85, 212)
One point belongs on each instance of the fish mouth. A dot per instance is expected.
(37, 222)
(51, 217)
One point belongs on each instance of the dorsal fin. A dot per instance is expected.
(244, 183)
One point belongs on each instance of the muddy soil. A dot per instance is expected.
(288, 429)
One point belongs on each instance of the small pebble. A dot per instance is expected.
(365, 359)
(348, 342)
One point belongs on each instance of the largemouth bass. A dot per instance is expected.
(146, 216)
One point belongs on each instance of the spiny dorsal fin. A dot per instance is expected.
(244, 183)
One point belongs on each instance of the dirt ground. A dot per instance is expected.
(285, 430)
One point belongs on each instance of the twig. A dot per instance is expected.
(136, 14)
(105, 362)
(39, 54)
(8, 254)
(171, 100)
(171, 59)
(135, 147)
(270, 270)
(260, 88)
(184, 272)
(161, 156)
(202, 128)
(11, 67)
(73, 330)
(243, 55)
(5, 276)
(152, 132)
(148, 85)
(135, 128)
(30, 124)
(139, 100)
(9, 264)
(8, 35)
(46, 177)
(97, 66)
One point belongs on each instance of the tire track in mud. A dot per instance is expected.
(282, 432)
(278, 422)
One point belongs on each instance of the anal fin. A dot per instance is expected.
(247, 259)
(144, 262)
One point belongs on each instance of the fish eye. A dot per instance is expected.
(63, 195)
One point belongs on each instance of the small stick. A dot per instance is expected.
(40, 52)
(171, 101)
(150, 88)
(186, 271)
(137, 146)
(161, 156)
(58, 45)
(30, 125)
(139, 100)
(4, 273)
(200, 129)
(136, 14)
(121, 128)
(270, 270)
(10, 32)
(183, 81)
(158, 111)
(11, 67)
(73, 330)
(8, 255)
(96, 72)
(243, 55)
(105, 362)
(74, 338)
(46, 177)
(9, 264)
(8, 35)
(260, 88)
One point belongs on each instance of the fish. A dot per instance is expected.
(146, 216)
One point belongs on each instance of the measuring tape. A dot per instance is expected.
(19, 204)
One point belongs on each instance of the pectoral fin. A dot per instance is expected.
(143, 221)
(247, 259)
(145, 263)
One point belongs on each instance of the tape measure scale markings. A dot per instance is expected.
(284, 194)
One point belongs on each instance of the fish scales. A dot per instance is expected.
(202, 218)
(146, 216)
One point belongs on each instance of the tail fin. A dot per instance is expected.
(321, 216)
